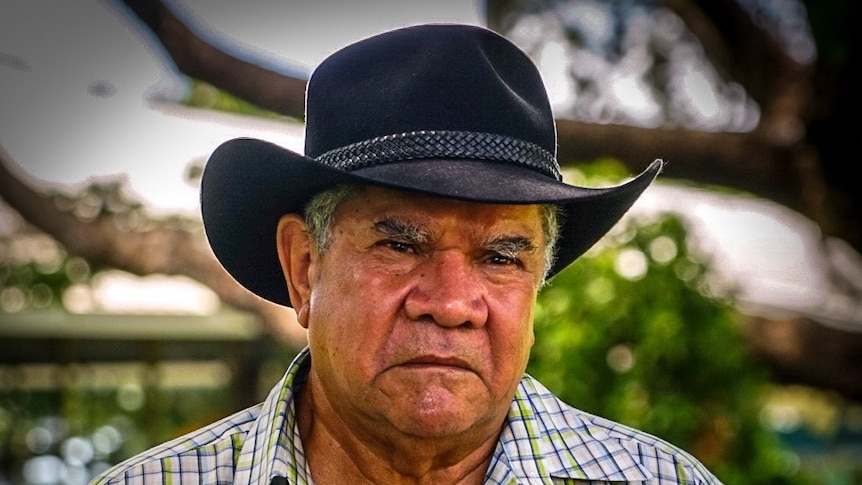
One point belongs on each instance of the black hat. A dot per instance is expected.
(455, 111)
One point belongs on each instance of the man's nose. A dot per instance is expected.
(449, 290)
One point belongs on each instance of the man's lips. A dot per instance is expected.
(436, 361)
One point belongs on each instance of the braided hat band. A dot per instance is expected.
(426, 144)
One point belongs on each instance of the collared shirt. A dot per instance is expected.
(543, 441)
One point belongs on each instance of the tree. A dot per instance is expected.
(793, 155)
(662, 345)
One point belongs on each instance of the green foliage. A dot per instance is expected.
(105, 425)
(205, 95)
(36, 270)
(632, 332)
(832, 23)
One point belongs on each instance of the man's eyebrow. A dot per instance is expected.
(510, 246)
(401, 230)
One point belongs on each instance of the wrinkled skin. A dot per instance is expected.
(419, 319)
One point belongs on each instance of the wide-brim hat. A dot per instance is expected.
(450, 110)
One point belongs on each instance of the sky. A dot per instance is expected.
(79, 99)
(78, 83)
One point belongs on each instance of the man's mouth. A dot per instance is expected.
(435, 361)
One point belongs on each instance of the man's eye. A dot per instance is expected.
(502, 259)
(398, 246)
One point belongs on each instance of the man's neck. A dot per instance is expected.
(337, 454)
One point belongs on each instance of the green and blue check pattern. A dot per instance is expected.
(544, 441)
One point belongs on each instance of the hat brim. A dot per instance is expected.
(248, 184)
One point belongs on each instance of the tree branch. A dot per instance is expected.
(198, 59)
(165, 249)
(727, 33)
(739, 160)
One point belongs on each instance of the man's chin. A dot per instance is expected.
(438, 412)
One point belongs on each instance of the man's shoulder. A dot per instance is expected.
(595, 445)
(662, 459)
(205, 450)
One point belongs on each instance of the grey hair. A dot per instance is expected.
(320, 211)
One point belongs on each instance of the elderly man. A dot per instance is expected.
(411, 239)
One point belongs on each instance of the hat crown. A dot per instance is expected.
(437, 78)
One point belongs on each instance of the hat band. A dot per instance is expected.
(441, 144)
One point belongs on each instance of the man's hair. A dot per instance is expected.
(320, 211)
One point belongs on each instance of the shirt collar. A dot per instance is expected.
(543, 437)
(274, 447)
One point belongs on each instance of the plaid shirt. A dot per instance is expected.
(543, 441)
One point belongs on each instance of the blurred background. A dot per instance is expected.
(723, 313)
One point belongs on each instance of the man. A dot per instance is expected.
(411, 239)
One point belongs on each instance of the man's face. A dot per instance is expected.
(420, 312)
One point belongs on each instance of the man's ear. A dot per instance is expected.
(294, 253)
